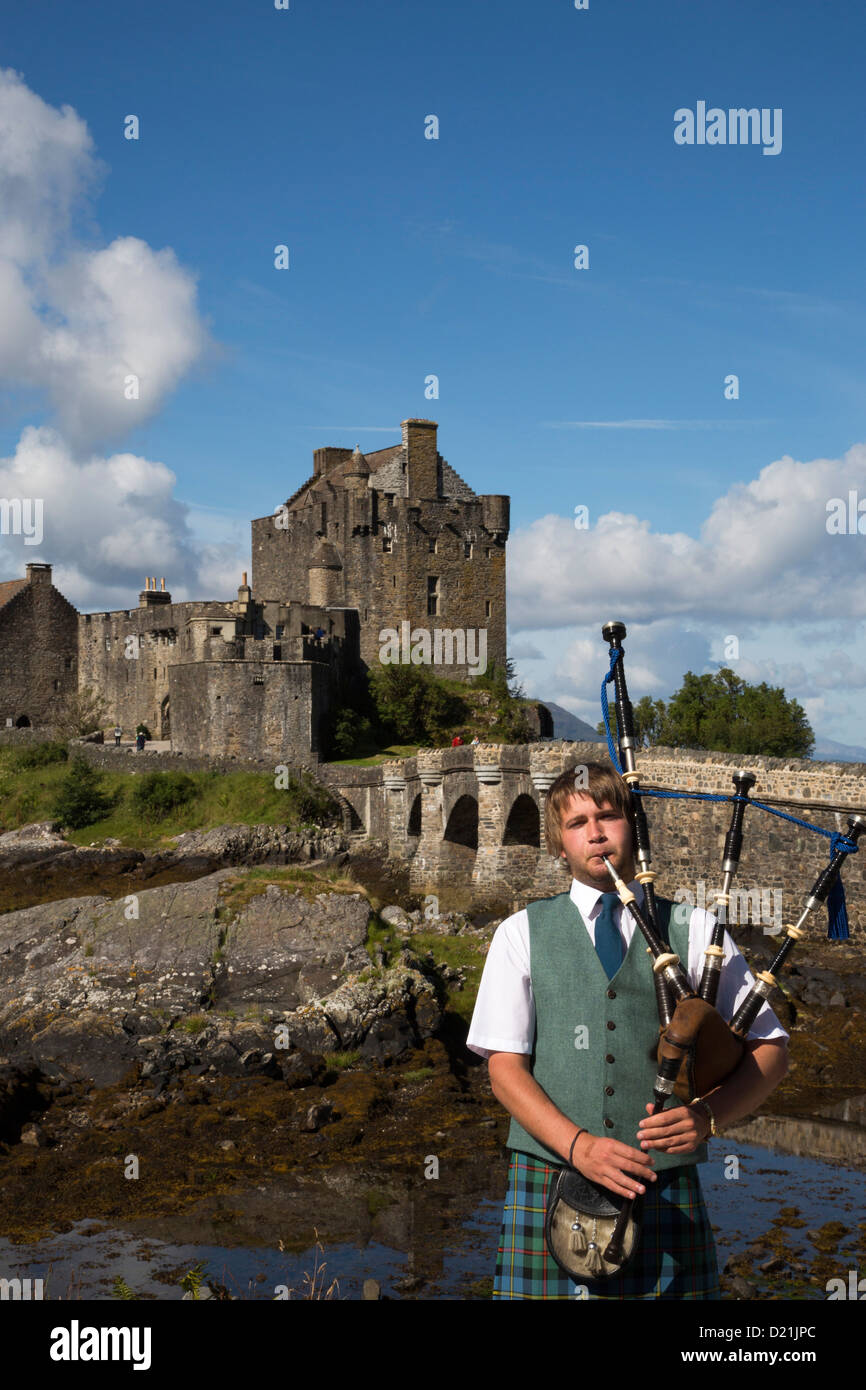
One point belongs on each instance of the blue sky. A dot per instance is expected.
(602, 387)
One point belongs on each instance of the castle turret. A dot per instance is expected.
(358, 471)
(326, 575)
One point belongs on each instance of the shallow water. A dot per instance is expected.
(742, 1207)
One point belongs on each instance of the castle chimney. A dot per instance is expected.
(326, 458)
(419, 443)
(38, 574)
(150, 596)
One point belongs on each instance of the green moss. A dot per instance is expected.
(378, 1201)
(385, 936)
(422, 1074)
(195, 1023)
(235, 893)
(341, 1061)
(480, 1288)
(459, 952)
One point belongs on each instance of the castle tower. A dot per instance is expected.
(396, 534)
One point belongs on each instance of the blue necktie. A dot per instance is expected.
(608, 942)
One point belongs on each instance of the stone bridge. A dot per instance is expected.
(472, 819)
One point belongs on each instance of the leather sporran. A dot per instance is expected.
(579, 1223)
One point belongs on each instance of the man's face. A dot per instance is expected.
(590, 831)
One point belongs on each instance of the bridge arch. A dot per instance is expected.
(523, 826)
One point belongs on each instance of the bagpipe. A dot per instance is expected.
(697, 1048)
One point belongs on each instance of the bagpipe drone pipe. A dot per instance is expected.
(697, 1048)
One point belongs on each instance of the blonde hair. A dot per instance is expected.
(601, 784)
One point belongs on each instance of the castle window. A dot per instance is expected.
(258, 680)
(467, 550)
(432, 595)
(393, 581)
(68, 663)
(488, 552)
(487, 608)
(57, 685)
(433, 545)
(108, 644)
(215, 631)
(279, 631)
(154, 673)
(278, 653)
(387, 545)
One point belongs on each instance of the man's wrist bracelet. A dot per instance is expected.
(573, 1142)
(709, 1114)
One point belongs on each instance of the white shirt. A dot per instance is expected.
(504, 1016)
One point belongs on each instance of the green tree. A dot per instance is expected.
(81, 799)
(157, 793)
(649, 719)
(413, 705)
(722, 713)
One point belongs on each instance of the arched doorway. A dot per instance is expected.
(22, 722)
(165, 718)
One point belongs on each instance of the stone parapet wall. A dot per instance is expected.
(798, 779)
(126, 759)
(468, 798)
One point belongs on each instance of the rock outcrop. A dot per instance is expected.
(223, 971)
(258, 844)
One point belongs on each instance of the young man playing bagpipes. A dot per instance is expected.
(567, 1016)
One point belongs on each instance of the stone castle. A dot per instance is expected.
(367, 543)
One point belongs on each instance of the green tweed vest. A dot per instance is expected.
(595, 1039)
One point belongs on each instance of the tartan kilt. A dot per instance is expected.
(676, 1257)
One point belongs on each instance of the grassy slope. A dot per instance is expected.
(221, 798)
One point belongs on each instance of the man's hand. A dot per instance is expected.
(677, 1131)
(614, 1165)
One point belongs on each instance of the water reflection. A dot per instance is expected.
(839, 1138)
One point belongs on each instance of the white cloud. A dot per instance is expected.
(77, 320)
(108, 522)
(763, 568)
(763, 555)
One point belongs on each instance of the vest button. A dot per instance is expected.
(609, 1057)
(608, 1124)
(608, 1090)
(611, 1025)
(611, 994)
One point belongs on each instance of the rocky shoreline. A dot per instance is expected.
(263, 1023)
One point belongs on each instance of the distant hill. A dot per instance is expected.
(568, 726)
(828, 751)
